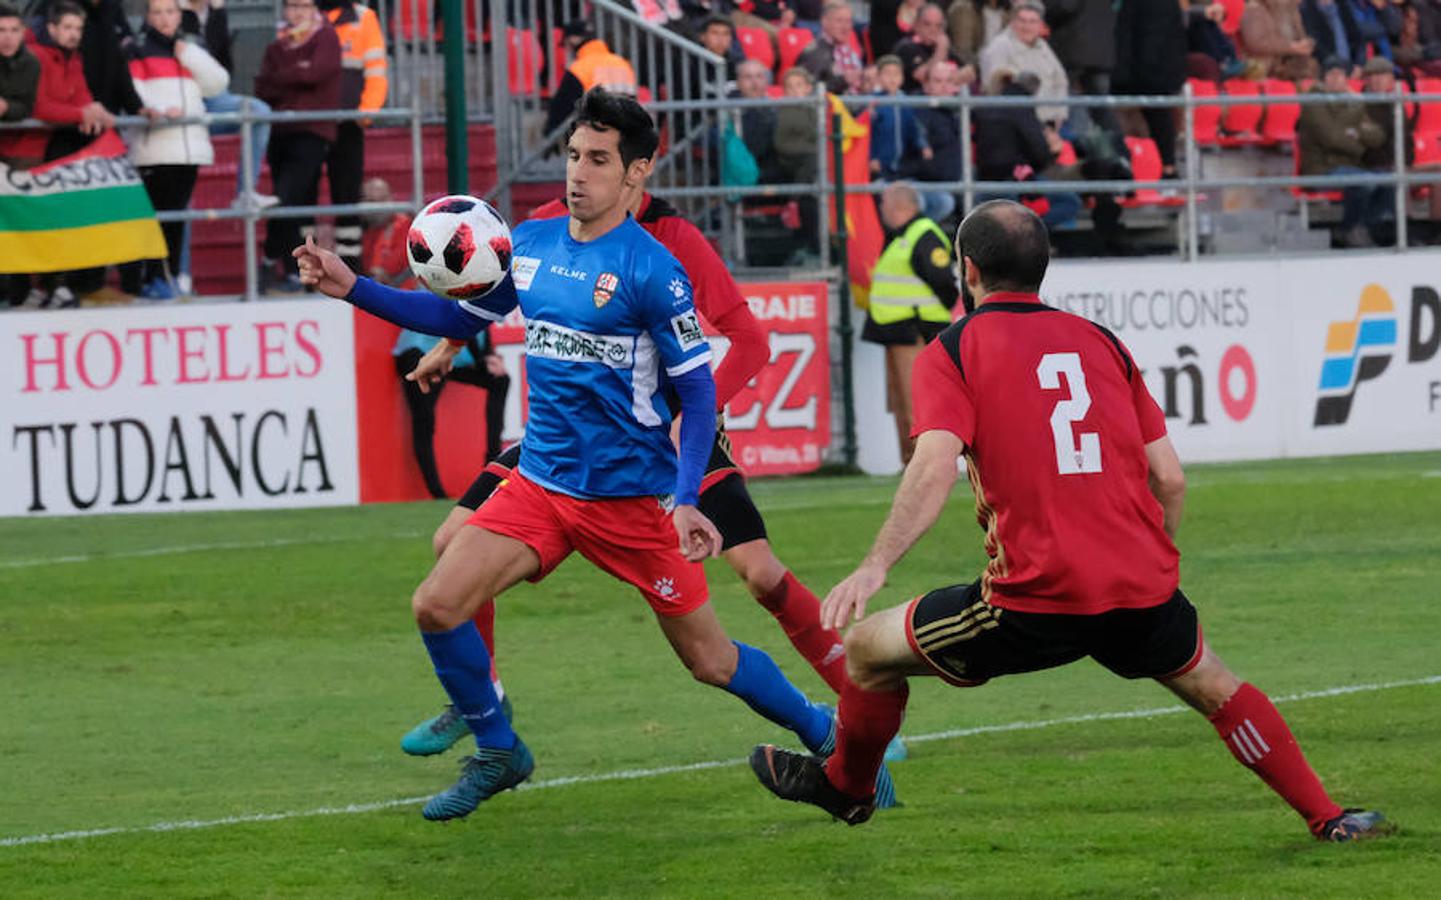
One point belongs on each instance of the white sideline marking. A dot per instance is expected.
(632, 774)
(198, 548)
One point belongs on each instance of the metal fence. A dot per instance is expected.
(249, 214)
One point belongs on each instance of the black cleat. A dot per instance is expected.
(1355, 825)
(802, 778)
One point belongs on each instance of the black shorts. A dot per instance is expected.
(723, 497)
(906, 331)
(967, 641)
(495, 471)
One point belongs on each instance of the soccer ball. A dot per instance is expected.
(459, 247)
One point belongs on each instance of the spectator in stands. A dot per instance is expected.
(1151, 59)
(107, 73)
(1378, 22)
(383, 241)
(832, 58)
(1083, 37)
(172, 76)
(1273, 36)
(971, 24)
(1332, 139)
(592, 64)
(300, 71)
(209, 21)
(758, 123)
(63, 98)
(913, 289)
(1205, 37)
(928, 46)
(1012, 145)
(1020, 48)
(363, 85)
(1380, 78)
(795, 148)
(718, 35)
(942, 127)
(19, 80)
(1333, 31)
(891, 21)
(896, 133)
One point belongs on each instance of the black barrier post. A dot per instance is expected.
(457, 168)
(843, 259)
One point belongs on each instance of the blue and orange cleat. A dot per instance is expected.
(1355, 825)
(439, 733)
(487, 773)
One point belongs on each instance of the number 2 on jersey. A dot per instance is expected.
(1070, 458)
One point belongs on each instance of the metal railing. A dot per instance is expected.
(250, 214)
(1191, 184)
(665, 64)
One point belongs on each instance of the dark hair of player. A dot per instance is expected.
(62, 9)
(603, 110)
(1008, 244)
(8, 12)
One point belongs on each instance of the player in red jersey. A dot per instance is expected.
(724, 498)
(1079, 492)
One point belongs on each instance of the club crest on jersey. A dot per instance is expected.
(605, 287)
(680, 290)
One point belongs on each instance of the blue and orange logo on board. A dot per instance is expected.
(1357, 350)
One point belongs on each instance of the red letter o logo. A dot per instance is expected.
(1236, 359)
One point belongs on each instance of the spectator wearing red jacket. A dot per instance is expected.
(63, 97)
(301, 71)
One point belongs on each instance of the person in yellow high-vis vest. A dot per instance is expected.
(913, 288)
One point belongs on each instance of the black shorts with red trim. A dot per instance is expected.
(967, 641)
(723, 498)
(495, 471)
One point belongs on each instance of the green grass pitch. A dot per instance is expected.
(204, 667)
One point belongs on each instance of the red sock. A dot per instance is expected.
(799, 612)
(485, 624)
(865, 724)
(1257, 736)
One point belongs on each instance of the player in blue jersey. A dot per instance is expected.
(609, 326)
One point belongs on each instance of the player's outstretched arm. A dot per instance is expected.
(922, 495)
(419, 311)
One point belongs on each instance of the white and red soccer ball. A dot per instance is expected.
(459, 247)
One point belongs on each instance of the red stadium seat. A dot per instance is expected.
(793, 43)
(1279, 125)
(1067, 156)
(1241, 123)
(1428, 120)
(756, 44)
(1146, 166)
(1205, 120)
(525, 61)
(1428, 150)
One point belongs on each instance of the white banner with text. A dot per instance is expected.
(186, 406)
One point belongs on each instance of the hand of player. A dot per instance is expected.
(494, 364)
(847, 600)
(434, 366)
(699, 538)
(323, 270)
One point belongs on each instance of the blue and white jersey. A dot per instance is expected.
(605, 322)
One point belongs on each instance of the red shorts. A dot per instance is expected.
(631, 538)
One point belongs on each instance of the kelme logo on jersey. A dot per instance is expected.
(605, 287)
(1356, 350)
(550, 341)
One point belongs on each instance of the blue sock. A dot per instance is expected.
(759, 682)
(463, 666)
